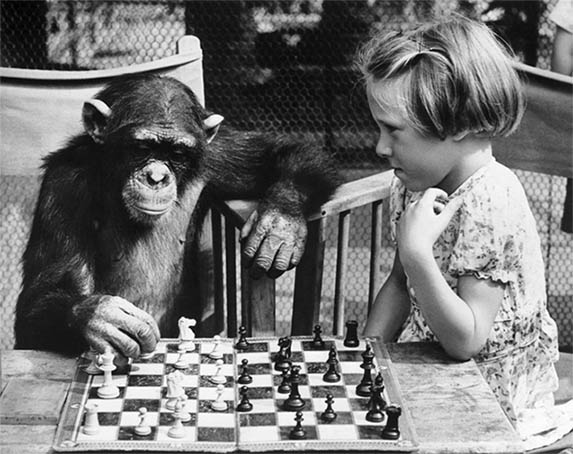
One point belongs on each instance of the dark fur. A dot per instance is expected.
(83, 245)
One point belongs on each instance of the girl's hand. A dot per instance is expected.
(423, 221)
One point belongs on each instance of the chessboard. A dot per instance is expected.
(235, 400)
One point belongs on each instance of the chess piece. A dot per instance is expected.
(328, 415)
(351, 339)
(181, 363)
(294, 402)
(186, 334)
(242, 343)
(364, 387)
(244, 405)
(108, 390)
(391, 430)
(142, 429)
(92, 368)
(219, 404)
(219, 378)
(216, 353)
(91, 422)
(297, 432)
(282, 359)
(244, 378)
(332, 375)
(284, 387)
(376, 404)
(185, 415)
(317, 341)
(174, 389)
(177, 430)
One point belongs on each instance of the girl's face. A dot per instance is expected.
(419, 161)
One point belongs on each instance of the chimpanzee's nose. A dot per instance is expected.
(156, 175)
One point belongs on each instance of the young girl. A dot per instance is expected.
(468, 270)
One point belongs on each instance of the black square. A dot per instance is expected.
(353, 379)
(350, 356)
(310, 432)
(307, 345)
(227, 359)
(204, 406)
(316, 368)
(205, 382)
(257, 419)
(166, 419)
(136, 404)
(256, 347)
(322, 391)
(215, 434)
(155, 359)
(370, 432)
(359, 404)
(263, 392)
(192, 369)
(144, 380)
(106, 418)
(258, 369)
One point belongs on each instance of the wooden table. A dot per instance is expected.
(452, 407)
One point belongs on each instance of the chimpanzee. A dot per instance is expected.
(108, 258)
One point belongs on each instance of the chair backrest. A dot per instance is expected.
(546, 132)
(40, 111)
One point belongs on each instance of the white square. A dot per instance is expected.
(117, 380)
(223, 347)
(258, 434)
(190, 434)
(339, 404)
(147, 369)
(337, 432)
(254, 358)
(105, 433)
(142, 392)
(216, 420)
(208, 370)
(316, 380)
(316, 356)
(350, 367)
(286, 418)
(263, 406)
(206, 393)
(260, 381)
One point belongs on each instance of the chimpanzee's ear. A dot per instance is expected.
(95, 114)
(211, 124)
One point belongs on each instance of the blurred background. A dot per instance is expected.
(284, 66)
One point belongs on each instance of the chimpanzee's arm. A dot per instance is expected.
(290, 179)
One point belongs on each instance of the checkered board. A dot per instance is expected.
(265, 428)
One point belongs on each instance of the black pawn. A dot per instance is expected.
(244, 405)
(297, 432)
(294, 402)
(284, 387)
(328, 414)
(244, 378)
(282, 358)
(242, 343)
(351, 339)
(331, 375)
(391, 431)
(317, 341)
(364, 387)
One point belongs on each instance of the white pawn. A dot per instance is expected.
(181, 363)
(143, 428)
(219, 378)
(215, 353)
(177, 430)
(92, 368)
(91, 423)
(219, 404)
(108, 390)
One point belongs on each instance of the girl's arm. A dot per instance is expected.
(461, 321)
(391, 306)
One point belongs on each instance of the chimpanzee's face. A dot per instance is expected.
(155, 134)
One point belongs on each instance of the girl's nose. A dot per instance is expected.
(383, 150)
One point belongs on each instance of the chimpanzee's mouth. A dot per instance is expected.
(153, 211)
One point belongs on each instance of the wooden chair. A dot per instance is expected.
(546, 126)
(40, 111)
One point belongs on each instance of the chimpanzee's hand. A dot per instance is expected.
(111, 321)
(273, 242)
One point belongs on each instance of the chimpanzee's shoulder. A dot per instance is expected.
(78, 153)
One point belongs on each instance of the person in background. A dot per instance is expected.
(562, 62)
(468, 269)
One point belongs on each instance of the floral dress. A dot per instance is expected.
(493, 236)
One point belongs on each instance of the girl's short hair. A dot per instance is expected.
(453, 77)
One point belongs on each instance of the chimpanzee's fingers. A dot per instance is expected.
(253, 245)
(145, 317)
(139, 331)
(298, 250)
(248, 225)
(266, 255)
(283, 258)
(108, 336)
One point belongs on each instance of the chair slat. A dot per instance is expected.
(231, 272)
(375, 250)
(341, 263)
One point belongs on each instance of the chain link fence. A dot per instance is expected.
(279, 65)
